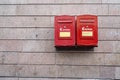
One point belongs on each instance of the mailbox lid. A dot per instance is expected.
(64, 30)
(87, 30)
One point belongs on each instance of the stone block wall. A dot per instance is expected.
(27, 49)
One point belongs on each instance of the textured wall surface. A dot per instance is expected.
(27, 41)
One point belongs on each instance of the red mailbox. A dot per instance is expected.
(87, 30)
(64, 30)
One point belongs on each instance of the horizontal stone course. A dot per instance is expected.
(80, 59)
(1, 58)
(27, 58)
(56, 79)
(27, 21)
(111, 1)
(8, 70)
(117, 73)
(65, 58)
(10, 58)
(57, 71)
(48, 22)
(37, 71)
(36, 58)
(9, 78)
(53, 9)
(55, 1)
(114, 9)
(47, 1)
(34, 33)
(48, 46)
(107, 72)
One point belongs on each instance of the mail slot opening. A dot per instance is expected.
(87, 21)
(64, 21)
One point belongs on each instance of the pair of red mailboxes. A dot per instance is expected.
(82, 31)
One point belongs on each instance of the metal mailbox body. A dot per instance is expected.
(64, 30)
(87, 30)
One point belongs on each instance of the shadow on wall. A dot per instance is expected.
(90, 48)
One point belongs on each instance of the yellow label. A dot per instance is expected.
(64, 34)
(87, 33)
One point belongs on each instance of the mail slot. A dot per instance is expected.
(87, 30)
(64, 30)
